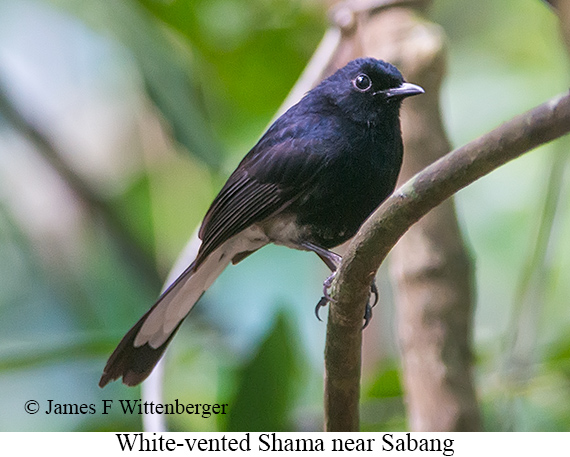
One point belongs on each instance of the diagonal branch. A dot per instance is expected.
(393, 218)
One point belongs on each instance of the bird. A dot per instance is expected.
(308, 184)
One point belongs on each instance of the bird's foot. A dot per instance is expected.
(327, 285)
(326, 298)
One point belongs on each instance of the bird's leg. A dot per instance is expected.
(332, 260)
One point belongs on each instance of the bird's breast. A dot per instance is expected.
(348, 190)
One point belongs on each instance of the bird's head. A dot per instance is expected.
(367, 89)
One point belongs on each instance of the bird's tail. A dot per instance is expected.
(141, 348)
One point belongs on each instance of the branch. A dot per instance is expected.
(393, 218)
(430, 268)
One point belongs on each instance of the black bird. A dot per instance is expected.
(309, 183)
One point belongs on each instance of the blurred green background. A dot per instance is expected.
(119, 121)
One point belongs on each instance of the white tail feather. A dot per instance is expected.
(177, 302)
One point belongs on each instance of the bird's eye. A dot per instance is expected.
(362, 82)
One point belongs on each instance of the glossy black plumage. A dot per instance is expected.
(309, 183)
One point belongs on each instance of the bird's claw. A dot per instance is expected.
(374, 291)
(368, 311)
(326, 298)
(322, 302)
(367, 315)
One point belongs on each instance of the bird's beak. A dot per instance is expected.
(403, 91)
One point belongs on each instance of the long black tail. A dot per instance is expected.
(134, 364)
(141, 348)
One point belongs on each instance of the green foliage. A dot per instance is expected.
(247, 53)
(165, 68)
(151, 103)
(386, 383)
(264, 391)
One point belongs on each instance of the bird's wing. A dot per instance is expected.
(240, 204)
(275, 173)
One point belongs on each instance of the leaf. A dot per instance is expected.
(265, 387)
(387, 384)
